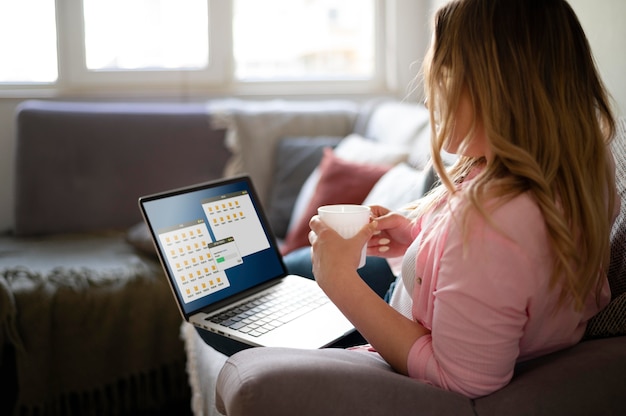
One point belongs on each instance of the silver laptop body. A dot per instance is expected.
(226, 272)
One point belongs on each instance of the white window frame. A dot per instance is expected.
(73, 72)
(400, 38)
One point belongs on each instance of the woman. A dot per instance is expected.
(506, 259)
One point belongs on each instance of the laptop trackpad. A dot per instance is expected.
(312, 330)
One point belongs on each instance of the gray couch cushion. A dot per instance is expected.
(82, 166)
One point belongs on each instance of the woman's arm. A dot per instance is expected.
(335, 262)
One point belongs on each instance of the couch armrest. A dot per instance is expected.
(279, 381)
(586, 379)
(81, 166)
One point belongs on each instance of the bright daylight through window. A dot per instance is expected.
(134, 40)
(304, 39)
(146, 34)
(28, 42)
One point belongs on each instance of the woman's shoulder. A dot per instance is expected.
(522, 207)
(518, 218)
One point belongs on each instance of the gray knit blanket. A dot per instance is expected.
(93, 325)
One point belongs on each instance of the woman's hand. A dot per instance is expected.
(392, 235)
(335, 258)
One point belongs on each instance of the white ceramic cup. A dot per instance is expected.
(347, 220)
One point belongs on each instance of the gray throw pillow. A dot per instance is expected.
(612, 320)
(609, 322)
(295, 159)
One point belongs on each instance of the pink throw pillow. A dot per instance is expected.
(340, 182)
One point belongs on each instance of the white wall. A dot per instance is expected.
(602, 20)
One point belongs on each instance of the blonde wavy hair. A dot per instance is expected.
(533, 83)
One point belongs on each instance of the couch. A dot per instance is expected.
(88, 324)
(586, 379)
(79, 278)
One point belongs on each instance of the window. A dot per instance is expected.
(304, 39)
(117, 45)
(146, 34)
(28, 42)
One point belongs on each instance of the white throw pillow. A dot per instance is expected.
(356, 148)
(398, 187)
(397, 123)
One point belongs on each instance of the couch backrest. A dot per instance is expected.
(82, 166)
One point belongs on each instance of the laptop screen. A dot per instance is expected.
(213, 239)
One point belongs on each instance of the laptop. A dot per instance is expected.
(226, 273)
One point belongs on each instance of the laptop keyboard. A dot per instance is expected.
(269, 311)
